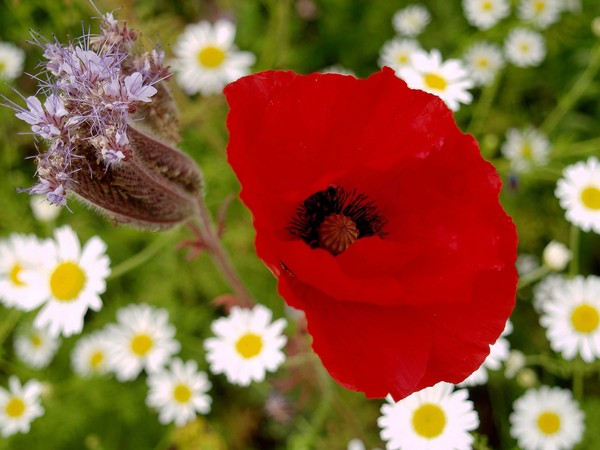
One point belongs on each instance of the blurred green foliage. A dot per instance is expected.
(305, 36)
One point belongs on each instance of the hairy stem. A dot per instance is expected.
(213, 244)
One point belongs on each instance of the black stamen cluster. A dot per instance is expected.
(336, 200)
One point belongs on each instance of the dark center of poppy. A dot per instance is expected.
(333, 219)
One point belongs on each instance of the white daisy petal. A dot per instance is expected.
(547, 418)
(571, 317)
(411, 20)
(525, 48)
(21, 261)
(91, 355)
(141, 339)
(179, 393)
(526, 149)
(435, 418)
(579, 194)
(484, 14)
(483, 61)
(35, 347)
(206, 58)
(11, 61)
(19, 406)
(541, 13)
(246, 346)
(448, 80)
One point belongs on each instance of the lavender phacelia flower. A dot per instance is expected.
(110, 126)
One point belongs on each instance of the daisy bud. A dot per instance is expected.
(110, 124)
(527, 378)
(556, 256)
(514, 363)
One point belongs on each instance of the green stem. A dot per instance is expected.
(277, 35)
(568, 101)
(574, 244)
(578, 379)
(484, 105)
(8, 324)
(532, 277)
(307, 437)
(141, 257)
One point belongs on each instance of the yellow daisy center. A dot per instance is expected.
(429, 421)
(141, 344)
(36, 341)
(483, 62)
(182, 393)
(585, 318)
(524, 46)
(211, 57)
(402, 58)
(539, 6)
(434, 81)
(14, 275)
(590, 197)
(15, 407)
(249, 345)
(67, 281)
(527, 151)
(96, 359)
(548, 422)
(487, 6)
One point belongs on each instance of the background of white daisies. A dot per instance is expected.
(153, 360)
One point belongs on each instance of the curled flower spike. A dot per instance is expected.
(110, 122)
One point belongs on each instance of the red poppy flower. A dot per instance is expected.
(380, 220)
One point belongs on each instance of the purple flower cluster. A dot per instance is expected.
(92, 90)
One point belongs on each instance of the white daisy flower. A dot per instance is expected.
(484, 14)
(542, 13)
(435, 418)
(18, 255)
(206, 58)
(578, 192)
(141, 339)
(71, 279)
(449, 79)
(526, 263)
(43, 210)
(556, 256)
(179, 393)
(499, 353)
(546, 418)
(525, 48)
(19, 406)
(398, 53)
(572, 318)
(411, 21)
(483, 60)
(544, 291)
(90, 355)
(526, 149)
(35, 347)
(11, 61)
(247, 344)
